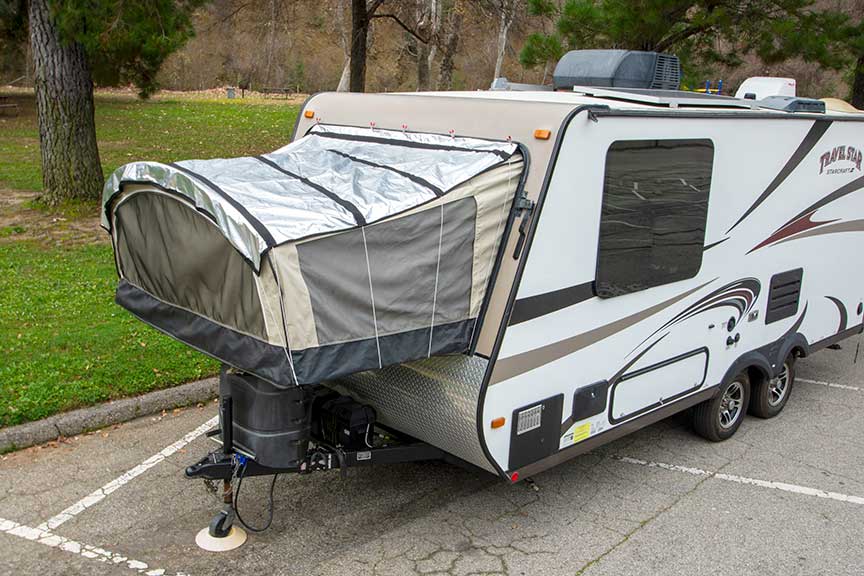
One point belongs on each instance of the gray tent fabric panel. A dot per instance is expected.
(180, 257)
(403, 257)
(335, 272)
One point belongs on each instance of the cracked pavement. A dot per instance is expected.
(594, 515)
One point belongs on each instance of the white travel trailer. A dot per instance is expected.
(501, 278)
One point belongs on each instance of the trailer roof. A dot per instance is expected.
(633, 100)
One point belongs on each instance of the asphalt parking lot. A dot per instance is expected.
(784, 496)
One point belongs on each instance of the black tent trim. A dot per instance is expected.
(259, 227)
(230, 346)
(416, 179)
(408, 144)
(355, 212)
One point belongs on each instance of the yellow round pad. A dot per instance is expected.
(235, 538)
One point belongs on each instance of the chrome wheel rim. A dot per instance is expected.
(731, 405)
(779, 387)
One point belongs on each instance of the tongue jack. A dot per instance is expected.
(222, 535)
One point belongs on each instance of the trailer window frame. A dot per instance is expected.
(654, 213)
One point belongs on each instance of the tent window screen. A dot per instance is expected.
(655, 205)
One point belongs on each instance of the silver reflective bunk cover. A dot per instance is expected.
(349, 249)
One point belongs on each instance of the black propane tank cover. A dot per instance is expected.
(272, 424)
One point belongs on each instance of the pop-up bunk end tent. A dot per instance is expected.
(347, 250)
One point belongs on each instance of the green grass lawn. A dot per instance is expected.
(63, 341)
(160, 130)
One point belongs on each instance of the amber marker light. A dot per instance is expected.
(498, 422)
(309, 114)
(542, 134)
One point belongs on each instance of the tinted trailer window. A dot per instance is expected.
(655, 205)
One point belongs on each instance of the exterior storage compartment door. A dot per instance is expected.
(651, 387)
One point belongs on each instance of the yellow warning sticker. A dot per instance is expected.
(581, 432)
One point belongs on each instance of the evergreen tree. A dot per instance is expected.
(700, 32)
(73, 42)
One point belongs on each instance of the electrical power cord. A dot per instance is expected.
(270, 505)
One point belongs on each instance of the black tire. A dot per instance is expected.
(769, 397)
(713, 419)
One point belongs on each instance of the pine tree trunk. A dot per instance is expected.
(858, 85)
(359, 34)
(64, 104)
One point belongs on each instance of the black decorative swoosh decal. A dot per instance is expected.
(512, 366)
(713, 244)
(844, 315)
(532, 307)
(813, 136)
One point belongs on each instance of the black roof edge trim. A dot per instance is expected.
(736, 115)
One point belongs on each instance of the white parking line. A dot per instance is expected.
(794, 488)
(46, 538)
(829, 384)
(100, 494)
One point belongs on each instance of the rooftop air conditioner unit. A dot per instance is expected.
(618, 69)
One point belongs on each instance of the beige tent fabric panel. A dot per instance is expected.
(299, 319)
(268, 293)
(492, 214)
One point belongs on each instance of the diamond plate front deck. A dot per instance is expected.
(434, 400)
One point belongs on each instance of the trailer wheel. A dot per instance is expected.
(771, 394)
(719, 418)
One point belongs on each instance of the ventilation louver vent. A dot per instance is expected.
(667, 73)
(784, 295)
(529, 419)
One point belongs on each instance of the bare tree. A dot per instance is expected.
(345, 42)
(428, 26)
(450, 45)
(362, 12)
(506, 11)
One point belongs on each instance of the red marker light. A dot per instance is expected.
(514, 477)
